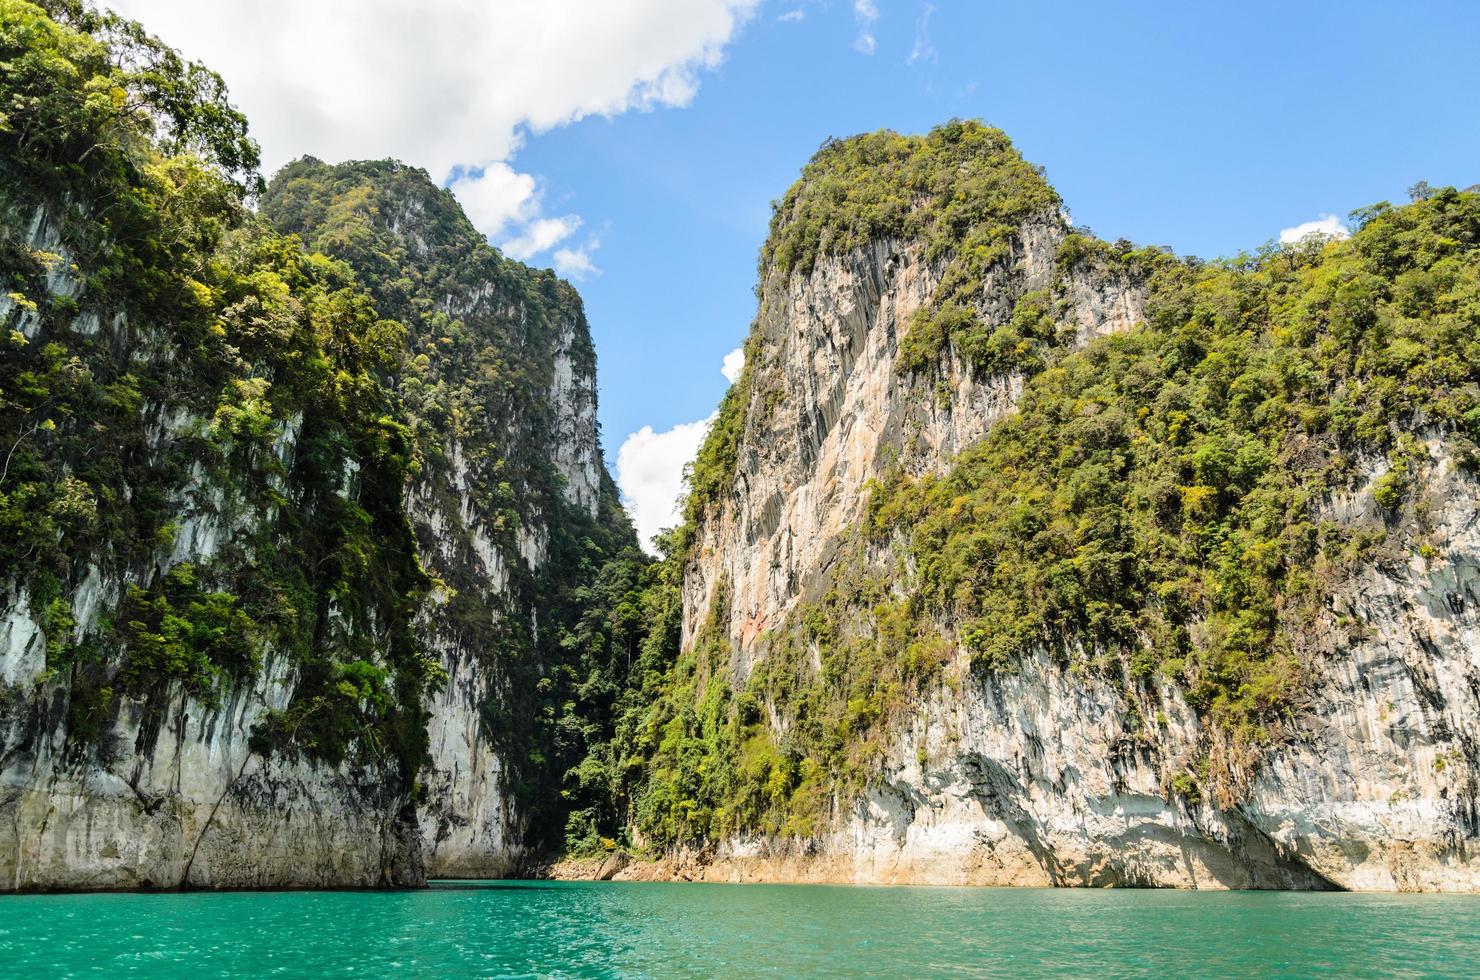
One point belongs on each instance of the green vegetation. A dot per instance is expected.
(253, 392)
(1154, 513)
(712, 472)
(483, 337)
(637, 608)
(709, 762)
(962, 192)
(1157, 497)
(156, 356)
(171, 365)
(177, 630)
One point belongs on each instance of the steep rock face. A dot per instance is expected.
(574, 440)
(287, 537)
(502, 386)
(1378, 788)
(1053, 771)
(174, 793)
(828, 410)
(168, 790)
(1036, 777)
(182, 800)
(294, 543)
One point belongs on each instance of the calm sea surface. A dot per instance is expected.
(614, 929)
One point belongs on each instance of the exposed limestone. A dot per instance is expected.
(829, 411)
(172, 794)
(469, 827)
(577, 452)
(177, 799)
(1048, 775)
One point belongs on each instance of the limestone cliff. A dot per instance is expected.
(122, 772)
(295, 539)
(1013, 557)
(830, 411)
(501, 388)
(1129, 735)
(175, 793)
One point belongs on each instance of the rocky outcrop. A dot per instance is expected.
(1041, 776)
(574, 441)
(828, 410)
(1050, 774)
(509, 438)
(171, 792)
(174, 790)
(177, 798)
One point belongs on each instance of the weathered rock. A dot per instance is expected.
(1042, 776)
(172, 793)
(176, 798)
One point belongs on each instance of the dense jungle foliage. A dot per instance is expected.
(962, 194)
(160, 342)
(484, 336)
(317, 440)
(1156, 510)
(177, 368)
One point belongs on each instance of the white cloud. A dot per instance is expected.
(793, 16)
(650, 465)
(445, 84)
(734, 363)
(865, 13)
(539, 235)
(496, 196)
(650, 472)
(923, 49)
(575, 263)
(1327, 224)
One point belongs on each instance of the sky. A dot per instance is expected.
(635, 145)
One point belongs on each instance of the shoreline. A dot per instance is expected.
(631, 870)
(834, 870)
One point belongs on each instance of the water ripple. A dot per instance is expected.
(503, 929)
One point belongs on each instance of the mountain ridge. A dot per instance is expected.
(283, 634)
(1012, 557)
(1056, 569)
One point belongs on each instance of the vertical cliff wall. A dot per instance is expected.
(205, 641)
(295, 538)
(827, 409)
(1016, 557)
(501, 389)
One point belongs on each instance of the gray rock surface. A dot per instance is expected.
(1042, 776)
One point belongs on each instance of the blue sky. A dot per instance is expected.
(1204, 127)
(635, 145)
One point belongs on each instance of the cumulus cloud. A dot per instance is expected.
(865, 13)
(575, 263)
(650, 465)
(793, 16)
(1327, 225)
(495, 196)
(450, 85)
(733, 364)
(650, 472)
(539, 235)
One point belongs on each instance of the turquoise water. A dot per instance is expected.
(615, 929)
